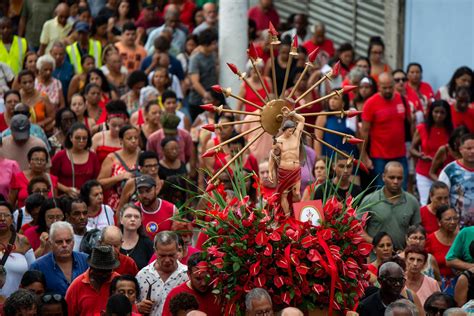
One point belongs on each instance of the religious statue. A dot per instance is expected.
(284, 161)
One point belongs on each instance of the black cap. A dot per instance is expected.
(20, 127)
(145, 181)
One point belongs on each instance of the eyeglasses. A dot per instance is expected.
(81, 139)
(394, 281)
(434, 311)
(38, 160)
(5, 215)
(400, 79)
(48, 297)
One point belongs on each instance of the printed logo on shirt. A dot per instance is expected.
(400, 108)
(151, 227)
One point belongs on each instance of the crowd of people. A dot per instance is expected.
(102, 144)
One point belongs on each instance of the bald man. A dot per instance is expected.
(291, 311)
(112, 236)
(210, 18)
(383, 124)
(319, 39)
(56, 29)
(391, 209)
(196, 313)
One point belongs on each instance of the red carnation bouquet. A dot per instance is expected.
(253, 245)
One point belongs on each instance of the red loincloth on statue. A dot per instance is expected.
(286, 180)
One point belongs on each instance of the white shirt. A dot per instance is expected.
(103, 219)
(77, 242)
(159, 289)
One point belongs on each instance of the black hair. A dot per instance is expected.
(117, 107)
(87, 188)
(135, 77)
(378, 237)
(183, 302)
(15, 92)
(435, 186)
(147, 107)
(58, 117)
(457, 133)
(239, 141)
(196, 10)
(436, 296)
(7, 205)
(375, 41)
(68, 202)
(144, 155)
(194, 260)
(83, 9)
(440, 210)
(252, 30)
(86, 57)
(124, 129)
(47, 205)
(53, 300)
(35, 180)
(105, 87)
(168, 139)
(25, 72)
(207, 37)
(464, 138)
(32, 276)
(88, 87)
(346, 47)
(396, 71)
(448, 122)
(414, 65)
(162, 44)
(19, 300)
(119, 305)
(413, 229)
(124, 277)
(96, 22)
(461, 71)
(129, 26)
(33, 201)
(286, 41)
(75, 127)
(36, 149)
(168, 94)
(363, 58)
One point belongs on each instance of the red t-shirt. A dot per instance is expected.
(83, 300)
(425, 89)
(61, 168)
(327, 46)
(263, 19)
(430, 143)
(387, 131)
(439, 251)
(187, 11)
(207, 302)
(3, 122)
(159, 220)
(428, 220)
(127, 266)
(463, 118)
(20, 182)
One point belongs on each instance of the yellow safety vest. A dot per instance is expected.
(14, 57)
(95, 50)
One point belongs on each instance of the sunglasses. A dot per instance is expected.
(52, 297)
(400, 79)
(432, 311)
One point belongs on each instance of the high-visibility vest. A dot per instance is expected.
(14, 57)
(95, 50)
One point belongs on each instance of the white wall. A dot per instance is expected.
(439, 35)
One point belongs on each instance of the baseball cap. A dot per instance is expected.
(20, 127)
(145, 181)
(82, 27)
(170, 123)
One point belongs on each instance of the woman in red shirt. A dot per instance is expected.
(439, 196)
(254, 82)
(439, 242)
(428, 138)
(421, 89)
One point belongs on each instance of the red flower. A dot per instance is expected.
(255, 268)
(282, 263)
(364, 248)
(261, 238)
(261, 280)
(213, 250)
(314, 255)
(285, 296)
(279, 281)
(218, 263)
(268, 250)
(318, 288)
(302, 269)
(275, 236)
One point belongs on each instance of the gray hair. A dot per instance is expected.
(146, 93)
(356, 74)
(61, 225)
(404, 304)
(256, 294)
(454, 311)
(384, 268)
(45, 59)
(165, 237)
(20, 299)
(109, 229)
(58, 44)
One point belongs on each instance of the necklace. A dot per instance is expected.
(128, 252)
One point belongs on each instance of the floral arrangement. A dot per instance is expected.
(299, 264)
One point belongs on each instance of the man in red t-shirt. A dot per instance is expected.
(319, 39)
(198, 286)
(156, 213)
(383, 124)
(263, 14)
(112, 236)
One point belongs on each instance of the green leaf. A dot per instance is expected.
(236, 266)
